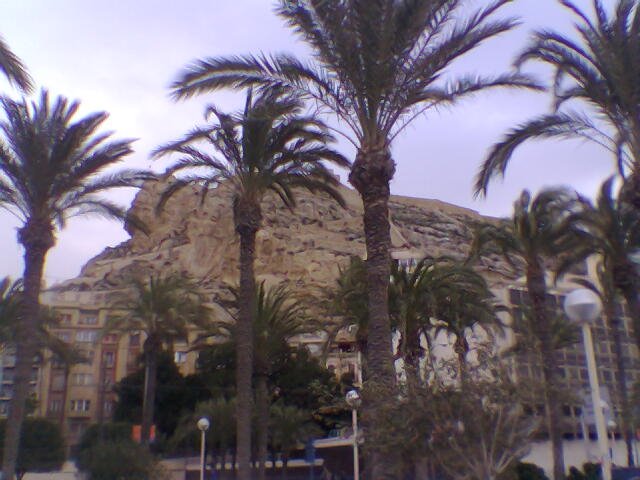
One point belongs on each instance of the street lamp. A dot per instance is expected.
(203, 425)
(583, 306)
(353, 400)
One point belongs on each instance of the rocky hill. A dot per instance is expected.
(304, 247)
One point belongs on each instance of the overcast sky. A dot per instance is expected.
(120, 56)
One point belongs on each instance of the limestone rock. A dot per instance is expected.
(302, 247)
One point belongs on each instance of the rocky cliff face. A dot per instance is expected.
(304, 247)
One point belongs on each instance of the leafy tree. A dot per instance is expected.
(272, 146)
(51, 168)
(163, 308)
(41, 447)
(529, 471)
(174, 394)
(96, 434)
(479, 428)
(377, 66)
(537, 229)
(13, 68)
(289, 428)
(599, 71)
(122, 459)
(220, 438)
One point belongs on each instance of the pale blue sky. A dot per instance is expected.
(120, 56)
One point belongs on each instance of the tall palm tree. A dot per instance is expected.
(537, 230)
(163, 308)
(377, 66)
(270, 147)
(598, 70)
(278, 319)
(51, 168)
(13, 68)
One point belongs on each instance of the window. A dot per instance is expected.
(108, 359)
(80, 405)
(81, 379)
(88, 318)
(110, 338)
(108, 407)
(180, 357)
(86, 336)
(134, 340)
(55, 405)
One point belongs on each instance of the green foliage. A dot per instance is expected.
(289, 427)
(96, 434)
(298, 379)
(41, 447)
(529, 471)
(221, 436)
(590, 471)
(174, 394)
(121, 460)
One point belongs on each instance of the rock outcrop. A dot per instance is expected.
(303, 247)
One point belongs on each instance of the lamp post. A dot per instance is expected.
(353, 400)
(203, 426)
(583, 306)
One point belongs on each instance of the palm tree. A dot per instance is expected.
(347, 301)
(278, 319)
(290, 427)
(270, 147)
(51, 168)
(220, 438)
(13, 68)
(163, 308)
(599, 71)
(460, 302)
(611, 229)
(377, 66)
(10, 311)
(537, 229)
(608, 294)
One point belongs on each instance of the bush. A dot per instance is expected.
(41, 446)
(529, 471)
(122, 460)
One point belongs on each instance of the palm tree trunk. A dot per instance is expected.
(537, 289)
(370, 175)
(262, 407)
(36, 238)
(614, 326)
(461, 348)
(247, 218)
(630, 294)
(151, 346)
